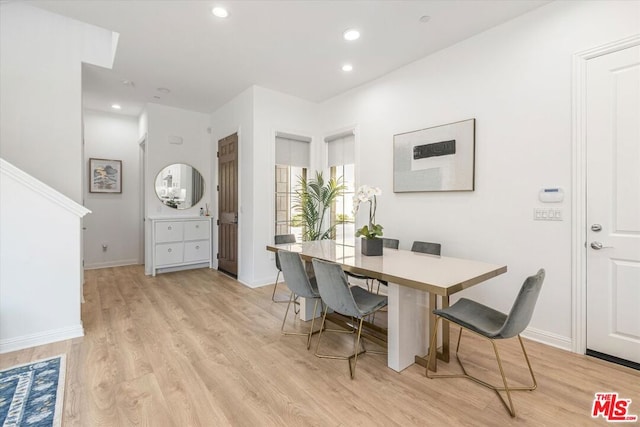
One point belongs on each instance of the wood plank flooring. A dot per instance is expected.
(197, 348)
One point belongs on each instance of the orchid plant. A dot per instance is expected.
(363, 195)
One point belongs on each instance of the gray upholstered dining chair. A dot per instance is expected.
(493, 325)
(296, 279)
(279, 239)
(426, 247)
(354, 301)
(390, 243)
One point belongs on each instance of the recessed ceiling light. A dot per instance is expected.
(163, 90)
(116, 106)
(347, 67)
(424, 19)
(351, 34)
(128, 83)
(220, 12)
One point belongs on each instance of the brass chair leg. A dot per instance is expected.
(275, 286)
(309, 334)
(431, 359)
(356, 346)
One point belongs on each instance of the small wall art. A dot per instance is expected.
(440, 158)
(105, 176)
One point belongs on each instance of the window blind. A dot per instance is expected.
(341, 149)
(292, 150)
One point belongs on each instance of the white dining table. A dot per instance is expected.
(417, 284)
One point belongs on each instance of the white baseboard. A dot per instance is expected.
(40, 338)
(118, 263)
(258, 283)
(548, 338)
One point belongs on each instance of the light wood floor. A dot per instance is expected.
(197, 348)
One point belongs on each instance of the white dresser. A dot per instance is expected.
(180, 242)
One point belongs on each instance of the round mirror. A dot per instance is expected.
(179, 186)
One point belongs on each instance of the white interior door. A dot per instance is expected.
(613, 204)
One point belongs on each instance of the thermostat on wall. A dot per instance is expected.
(551, 195)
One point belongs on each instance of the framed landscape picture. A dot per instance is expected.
(440, 158)
(105, 176)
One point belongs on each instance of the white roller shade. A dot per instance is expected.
(341, 149)
(292, 150)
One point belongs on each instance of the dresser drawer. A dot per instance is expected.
(196, 251)
(169, 231)
(196, 230)
(169, 253)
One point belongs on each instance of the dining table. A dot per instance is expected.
(418, 283)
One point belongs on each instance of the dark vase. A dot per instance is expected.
(371, 247)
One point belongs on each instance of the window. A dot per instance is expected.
(342, 212)
(292, 161)
(340, 156)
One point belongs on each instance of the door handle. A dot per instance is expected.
(235, 219)
(598, 245)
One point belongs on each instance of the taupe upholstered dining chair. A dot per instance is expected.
(279, 239)
(492, 325)
(296, 279)
(353, 301)
(426, 247)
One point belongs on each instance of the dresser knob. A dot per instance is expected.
(169, 228)
(197, 226)
(169, 250)
(197, 247)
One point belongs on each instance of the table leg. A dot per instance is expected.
(407, 320)
(433, 299)
(445, 332)
(444, 353)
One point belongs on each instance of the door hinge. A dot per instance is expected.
(217, 222)
(218, 154)
(218, 187)
(217, 256)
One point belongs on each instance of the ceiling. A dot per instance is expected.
(295, 47)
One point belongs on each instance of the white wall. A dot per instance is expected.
(273, 112)
(162, 122)
(40, 278)
(237, 116)
(515, 80)
(40, 91)
(116, 218)
(257, 114)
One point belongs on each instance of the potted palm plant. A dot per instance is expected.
(371, 244)
(314, 197)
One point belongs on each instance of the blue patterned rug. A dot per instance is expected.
(32, 394)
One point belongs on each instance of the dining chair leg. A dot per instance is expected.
(356, 346)
(526, 358)
(508, 404)
(286, 313)
(324, 318)
(313, 319)
(509, 407)
(309, 334)
(275, 286)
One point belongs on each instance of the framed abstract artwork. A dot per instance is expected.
(440, 158)
(105, 176)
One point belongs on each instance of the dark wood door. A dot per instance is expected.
(228, 204)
